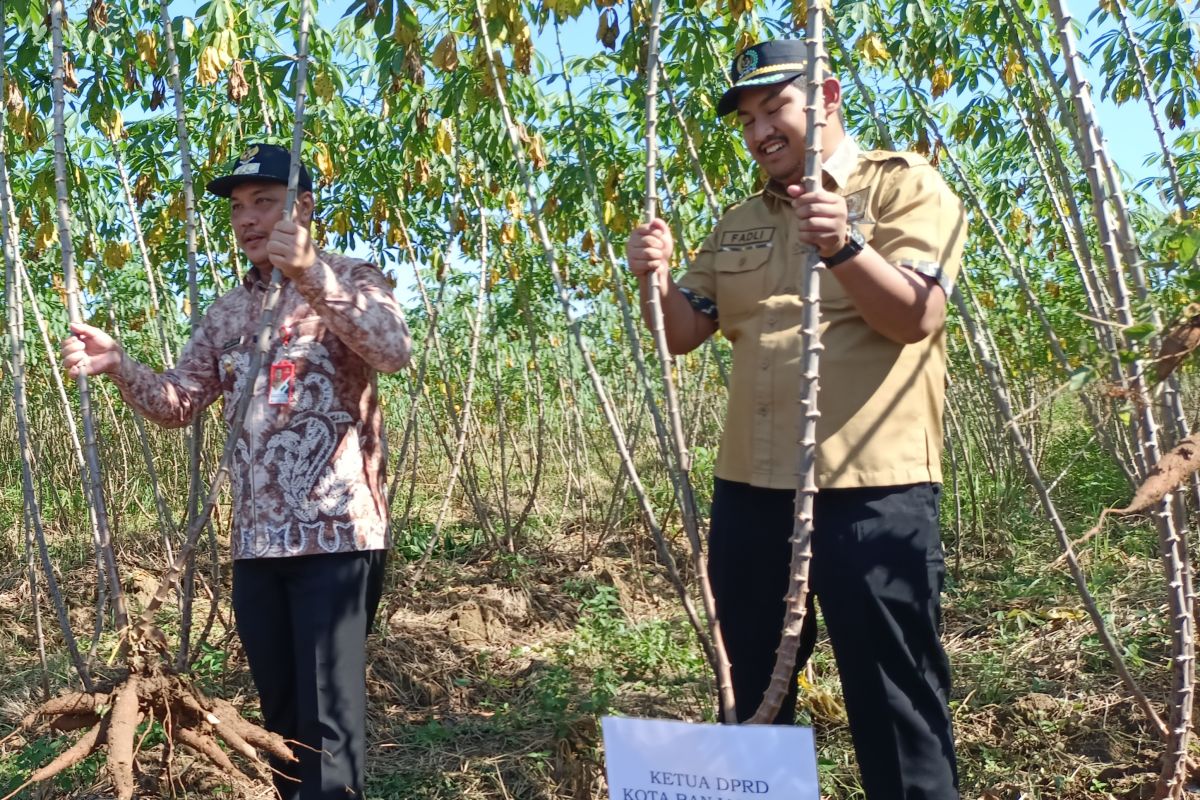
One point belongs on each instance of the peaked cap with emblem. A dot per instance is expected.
(259, 162)
(761, 65)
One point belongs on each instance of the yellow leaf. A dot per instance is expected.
(588, 243)
(341, 222)
(226, 43)
(116, 254)
(1013, 67)
(324, 163)
(872, 48)
(940, 81)
(445, 54)
(611, 184)
(513, 204)
(619, 222)
(13, 98)
(522, 49)
(799, 14)
(323, 86)
(379, 209)
(443, 137)
(147, 49)
(508, 233)
(738, 8)
(47, 234)
(537, 151)
(1016, 219)
(208, 66)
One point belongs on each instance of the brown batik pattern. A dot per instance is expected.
(308, 477)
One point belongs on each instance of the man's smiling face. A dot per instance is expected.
(773, 127)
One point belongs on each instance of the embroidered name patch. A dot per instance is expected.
(747, 239)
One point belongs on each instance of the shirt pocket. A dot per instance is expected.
(741, 280)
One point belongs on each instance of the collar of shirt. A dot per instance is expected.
(253, 279)
(838, 168)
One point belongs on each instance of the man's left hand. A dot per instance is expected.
(290, 248)
(821, 218)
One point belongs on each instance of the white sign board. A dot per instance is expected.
(653, 759)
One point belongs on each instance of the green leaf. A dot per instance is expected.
(1139, 331)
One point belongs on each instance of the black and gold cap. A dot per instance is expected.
(259, 162)
(761, 65)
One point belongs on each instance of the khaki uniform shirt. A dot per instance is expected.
(880, 401)
(308, 474)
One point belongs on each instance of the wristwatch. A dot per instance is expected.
(853, 246)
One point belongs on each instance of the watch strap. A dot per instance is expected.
(850, 249)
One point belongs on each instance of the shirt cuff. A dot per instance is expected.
(930, 269)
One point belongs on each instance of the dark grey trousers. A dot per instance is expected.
(877, 573)
(303, 622)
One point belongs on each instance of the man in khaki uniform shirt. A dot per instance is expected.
(890, 234)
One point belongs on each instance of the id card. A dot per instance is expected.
(282, 381)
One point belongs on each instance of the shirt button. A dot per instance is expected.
(742, 261)
(762, 411)
(766, 362)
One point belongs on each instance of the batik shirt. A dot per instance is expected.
(308, 473)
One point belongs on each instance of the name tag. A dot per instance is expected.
(282, 382)
(747, 239)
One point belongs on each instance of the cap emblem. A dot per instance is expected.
(249, 154)
(746, 62)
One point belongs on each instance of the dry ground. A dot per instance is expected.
(487, 676)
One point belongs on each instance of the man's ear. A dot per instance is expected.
(831, 93)
(304, 208)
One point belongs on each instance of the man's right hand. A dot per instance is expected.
(649, 253)
(90, 351)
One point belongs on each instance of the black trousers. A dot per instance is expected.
(877, 572)
(303, 622)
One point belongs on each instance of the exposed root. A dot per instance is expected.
(206, 746)
(72, 703)
(258, 737)
(1179, 342)
(1168, 475)
(66, 723)
(122, 726)
(189, 719)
